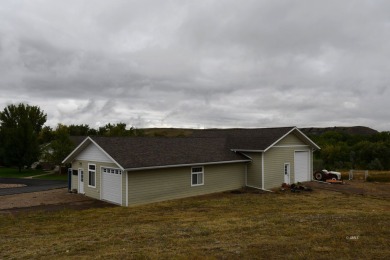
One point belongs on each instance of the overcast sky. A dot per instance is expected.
(200, 63)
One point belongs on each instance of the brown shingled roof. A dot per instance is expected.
(144, 152)
(204, 146)
(247, 138)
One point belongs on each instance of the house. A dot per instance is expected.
(138, 170)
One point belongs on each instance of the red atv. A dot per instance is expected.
(326, 175)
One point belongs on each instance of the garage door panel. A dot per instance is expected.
(112, 186)
(301, 166)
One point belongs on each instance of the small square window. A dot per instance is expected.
(197, 176)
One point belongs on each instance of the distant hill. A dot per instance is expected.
(167, 132)
(352, 130)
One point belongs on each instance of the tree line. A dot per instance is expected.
(24, 139)
(348, 151)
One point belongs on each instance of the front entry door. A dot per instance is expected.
(287, 173)
(81, 181)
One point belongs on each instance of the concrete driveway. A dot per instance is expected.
(32, 185)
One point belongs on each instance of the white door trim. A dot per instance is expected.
(80, 180)
(287, 173)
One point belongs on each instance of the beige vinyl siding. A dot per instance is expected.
(254, 178)
(74, 178)
(173, 183)
(93, 153)
(90, 191)
(290, 139)
(124, 194)
(275, 158)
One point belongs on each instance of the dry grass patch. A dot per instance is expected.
(321, 224)
(373, 176)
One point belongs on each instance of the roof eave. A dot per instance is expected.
(308, 139)
(74, 152)
(289, 132)
(247, 150)
(107, 154)
(77, 150)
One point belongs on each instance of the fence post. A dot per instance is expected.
(350, 174)
(365, 175)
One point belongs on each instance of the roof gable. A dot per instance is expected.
(93, 153)
(290, 139)
(255, 139)
(89, 150)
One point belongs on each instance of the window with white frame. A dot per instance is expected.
(197, 176)
(92, 175)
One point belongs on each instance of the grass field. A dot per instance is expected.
(320, 224)
(14, 173)
(54, 176)
(373, 176)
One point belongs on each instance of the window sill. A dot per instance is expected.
(195, 185)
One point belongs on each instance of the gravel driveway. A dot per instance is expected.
(30, 185)
(49, 200)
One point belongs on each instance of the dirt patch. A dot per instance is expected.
(357, 187)
(51, 200)
(60, 199)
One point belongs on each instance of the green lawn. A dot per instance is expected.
(317, 225)
(14, 173)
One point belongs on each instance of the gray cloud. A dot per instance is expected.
(199, 63)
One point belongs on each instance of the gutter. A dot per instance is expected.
(246, 150)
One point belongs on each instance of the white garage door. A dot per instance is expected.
(301, 166)
(112, 185)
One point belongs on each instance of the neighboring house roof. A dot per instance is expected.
(203, 147)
